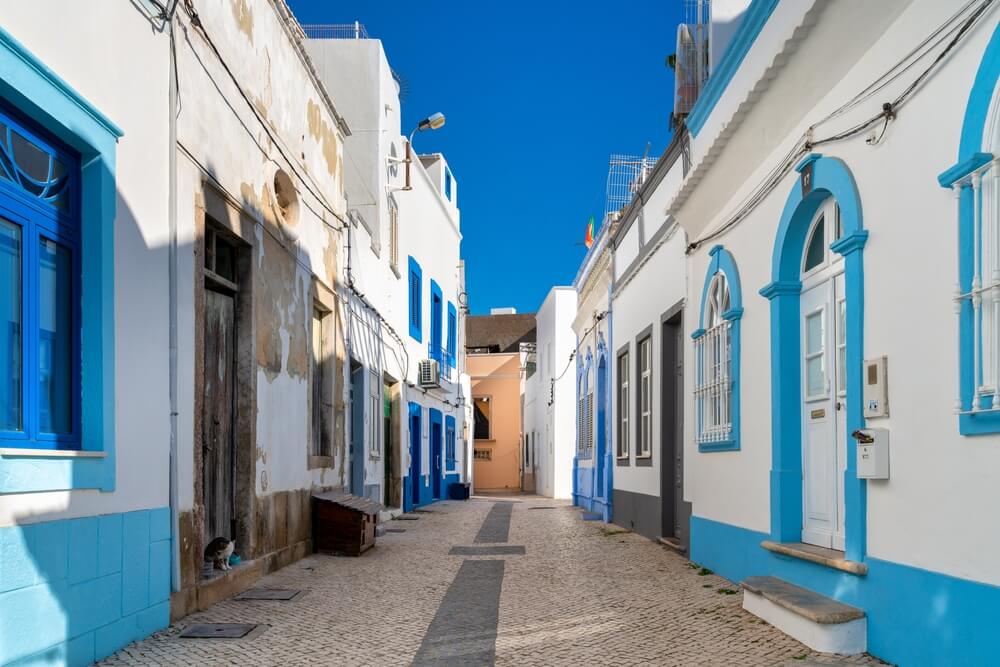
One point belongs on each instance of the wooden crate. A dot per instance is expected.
(343, 524)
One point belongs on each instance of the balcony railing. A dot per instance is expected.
(354, 30)
(445, 359)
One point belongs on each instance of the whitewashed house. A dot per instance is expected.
(647, 302)
(840, 422)
(85, 532)
(405, 286)
(593, 461)
(550, 405)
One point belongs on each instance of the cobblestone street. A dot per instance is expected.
(451, 587)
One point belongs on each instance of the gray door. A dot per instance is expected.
(676, 514)
(218, 447)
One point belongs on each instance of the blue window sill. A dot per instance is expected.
(25, 470)
(731, 445)
(979, 423)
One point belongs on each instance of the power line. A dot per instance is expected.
(889, 112)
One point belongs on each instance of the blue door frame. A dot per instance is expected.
(414, 496)
(436, 432)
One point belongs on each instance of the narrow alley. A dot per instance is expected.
(519, 580)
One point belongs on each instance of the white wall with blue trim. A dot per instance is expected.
(932, 580)
(85, 532)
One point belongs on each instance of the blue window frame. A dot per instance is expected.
(717, 356)
(449, 441)
(416, 298)
(452, 335)
(39, 290)
(434, 349)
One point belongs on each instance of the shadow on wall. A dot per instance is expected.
(76, 590)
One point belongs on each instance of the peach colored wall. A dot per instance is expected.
(498, 376)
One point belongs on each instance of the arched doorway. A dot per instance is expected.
(816, 328)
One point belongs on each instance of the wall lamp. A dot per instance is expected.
(433, 122)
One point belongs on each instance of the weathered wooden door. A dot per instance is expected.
(218, 447)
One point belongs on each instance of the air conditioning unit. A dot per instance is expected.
(429, 373)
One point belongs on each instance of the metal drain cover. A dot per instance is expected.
(268, 594)
(395, 530)
(541, 508)
(218, 630)
(403, 517)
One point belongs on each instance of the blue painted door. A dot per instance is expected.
(602, 397)
(415, 455)
(436, 458)
(357, 430)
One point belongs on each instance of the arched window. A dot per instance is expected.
(716, 353)
(975, 182)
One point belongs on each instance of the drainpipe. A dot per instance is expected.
(175, 572)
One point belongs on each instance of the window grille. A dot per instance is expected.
(983, 293)
(713, 378)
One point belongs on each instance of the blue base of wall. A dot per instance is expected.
(426, 492)
(915, 617)
(77, 590)
(584, 496)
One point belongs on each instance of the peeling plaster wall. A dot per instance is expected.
(228, 151)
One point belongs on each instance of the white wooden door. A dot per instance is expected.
(840, 393)
(820, 520)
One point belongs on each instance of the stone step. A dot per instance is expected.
(819, 622)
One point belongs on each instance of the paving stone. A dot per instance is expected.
(579, 596)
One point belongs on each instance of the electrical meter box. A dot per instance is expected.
(873, 453)
(875, 391)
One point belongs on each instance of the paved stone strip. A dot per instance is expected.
(496, 527)
(464, 630)
(499, 550)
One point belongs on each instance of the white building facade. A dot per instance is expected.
(405, 288)
(841, 344)
(550, 399)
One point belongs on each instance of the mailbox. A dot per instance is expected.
(873, 453)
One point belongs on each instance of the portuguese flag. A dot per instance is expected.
(589, 240)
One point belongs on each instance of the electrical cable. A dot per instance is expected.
(572, 355)
(804, 144)
(197, 23)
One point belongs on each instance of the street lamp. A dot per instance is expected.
(433, 122)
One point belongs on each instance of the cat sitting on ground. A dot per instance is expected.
(219, 550)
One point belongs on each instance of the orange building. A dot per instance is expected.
(496, 347)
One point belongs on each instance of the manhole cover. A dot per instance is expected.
(218, 630)
(395, 530)
(541, 508)
(403, 517)
(268, 594)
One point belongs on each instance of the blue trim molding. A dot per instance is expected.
(970, 158)
(751, 24)
(76, 590)
(35, 91)
(915, 616)
(830, 178)
(722, 262)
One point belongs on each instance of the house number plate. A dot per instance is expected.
(817, 414)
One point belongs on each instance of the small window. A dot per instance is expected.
(393, 235)
(322, 389)
(816, 249)
(415, 300)
(447, 183)
(815, 358)
(375, 413)
(623, 406)
(643, 447)
(713, 375)
(482, 415)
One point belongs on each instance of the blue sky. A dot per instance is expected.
(537, 95)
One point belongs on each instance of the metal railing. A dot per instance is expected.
(354, 30)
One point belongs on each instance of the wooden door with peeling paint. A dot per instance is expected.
(218, 446)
